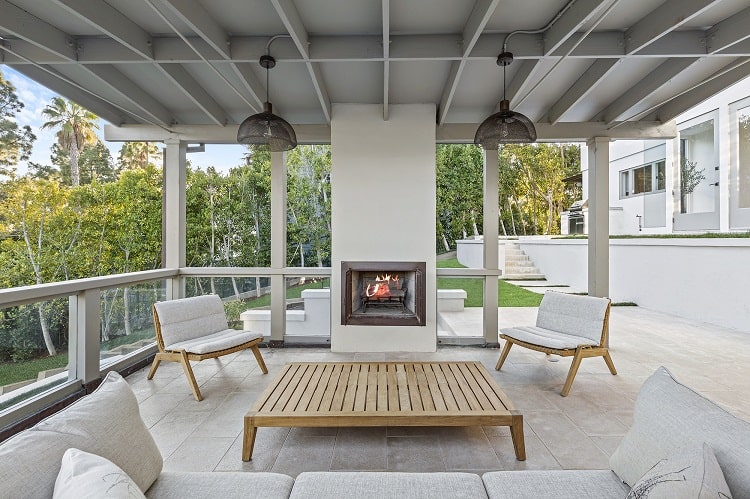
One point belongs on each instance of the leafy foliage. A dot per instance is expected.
(15, 141)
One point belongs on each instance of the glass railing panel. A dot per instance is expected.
(127, 323)
(460, 303)
(308, 306)
(33, 349)
(239, 294)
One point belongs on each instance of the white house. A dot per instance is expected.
(646, 195)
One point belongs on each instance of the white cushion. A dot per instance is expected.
(554, 484)
(573, 314)
(189, 318)
(106, 423)
(669, 417)
(88, 476)
(691, 473)
(221, 485)
(546, 338)
(214, 342)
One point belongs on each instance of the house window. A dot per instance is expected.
(645, 179)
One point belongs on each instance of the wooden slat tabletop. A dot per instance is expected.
(383, 393)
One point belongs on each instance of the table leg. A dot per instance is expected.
(516, 433)
(248, 440)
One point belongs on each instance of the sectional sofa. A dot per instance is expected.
(679, 443)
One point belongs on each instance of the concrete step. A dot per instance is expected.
(521, 269)
(517, 258)
(521, 277)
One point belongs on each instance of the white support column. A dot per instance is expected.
(490, 229)
(598, 222)
(174, 213)
(278, 245)
(85, 309)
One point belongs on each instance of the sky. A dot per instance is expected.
(36, 97)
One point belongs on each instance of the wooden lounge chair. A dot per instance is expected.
(196, 329)
(566, 325)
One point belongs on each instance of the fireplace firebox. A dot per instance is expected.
(383, 293)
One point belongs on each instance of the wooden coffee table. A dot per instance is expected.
(339, 394)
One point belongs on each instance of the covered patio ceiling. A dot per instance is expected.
(603, 64)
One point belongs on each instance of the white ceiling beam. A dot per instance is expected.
(200, 21)
(521, 80)
(642, 90)
(609, 44)
(251, 84)
(144, 102)
(721, 80)
(58, 84)
(660, 21)
(207, 134)
(195, 92)
(478, 19)
(112, 23)
(296, 29)
(386, 54)
(728, 32)
(581, 88)
(572, 21)
(32, 29)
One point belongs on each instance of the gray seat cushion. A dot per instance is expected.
(377, 485)
(669, 417)
(214, 342)
(554, 484)
(220, 485)
(106, 423)
(546, 338)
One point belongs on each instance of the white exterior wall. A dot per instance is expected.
(699, 279)
(383, 209)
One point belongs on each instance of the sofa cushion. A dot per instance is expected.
(87, 476)
(669, 417)
(220, 485)
(106, 423)
(554, 484)
(689, 473)
(376, 485)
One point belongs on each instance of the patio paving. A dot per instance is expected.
(576, 432)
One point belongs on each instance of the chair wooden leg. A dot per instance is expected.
(259, 358)
(572, 372)
(609, 362)
(154, 366)
(190, 376)
(503, 355)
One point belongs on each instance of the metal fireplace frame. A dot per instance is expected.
(418, 319)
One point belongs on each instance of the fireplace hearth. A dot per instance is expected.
(383, 293)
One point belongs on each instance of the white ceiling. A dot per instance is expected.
(195, 62)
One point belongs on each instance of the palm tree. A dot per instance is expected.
(138, 155)
(76, 130)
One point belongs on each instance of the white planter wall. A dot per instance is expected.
(700, 279)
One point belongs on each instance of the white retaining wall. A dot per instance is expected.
(700, 279)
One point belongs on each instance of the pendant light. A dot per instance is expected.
(266, 127)
(505, 126)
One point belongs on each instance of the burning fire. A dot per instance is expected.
(382, 286)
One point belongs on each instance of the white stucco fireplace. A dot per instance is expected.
(383, 217)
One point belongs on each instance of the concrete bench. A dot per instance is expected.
(566, 325)
(196, 329)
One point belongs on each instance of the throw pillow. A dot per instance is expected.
(88, 476)
(694, 473)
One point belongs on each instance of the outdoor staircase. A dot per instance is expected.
(518, 265)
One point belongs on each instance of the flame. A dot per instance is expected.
(381, 288)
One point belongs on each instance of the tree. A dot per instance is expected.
(135, 155)
(690, 178)
(15, 141)
(76, 129)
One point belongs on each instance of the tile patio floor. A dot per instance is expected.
(577, 432)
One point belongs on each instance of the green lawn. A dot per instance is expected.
(13, 372)
(508, 295)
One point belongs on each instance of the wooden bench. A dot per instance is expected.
(196, 329)
(566, 325)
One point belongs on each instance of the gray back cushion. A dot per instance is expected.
(670, 417)
(190, 318)
(106, 423)
(573, 314)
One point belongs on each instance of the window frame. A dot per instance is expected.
(628, 176)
